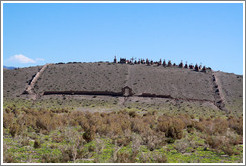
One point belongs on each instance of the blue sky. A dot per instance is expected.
(211, 34)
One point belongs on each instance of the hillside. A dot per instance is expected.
(16, 81)
(223, 90)
(82, 77)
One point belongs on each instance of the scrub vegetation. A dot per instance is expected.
(63, 135)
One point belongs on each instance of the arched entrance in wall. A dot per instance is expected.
(127, 91)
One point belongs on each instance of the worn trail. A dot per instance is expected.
(218, 93)
(30, 87)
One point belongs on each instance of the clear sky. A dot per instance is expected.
(211, 34)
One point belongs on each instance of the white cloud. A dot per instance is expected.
(24, 59)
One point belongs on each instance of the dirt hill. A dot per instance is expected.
(222, 90)
(16, 81)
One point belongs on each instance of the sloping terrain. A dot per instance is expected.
(215, 89)
(231, 89)
(176, 82)
(16, 81)
(82, 77)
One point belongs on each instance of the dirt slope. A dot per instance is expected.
(176, 82)
(231, 89)
(173, 82)
(16, 81)
(82, 77)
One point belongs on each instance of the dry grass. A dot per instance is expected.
(154, 130)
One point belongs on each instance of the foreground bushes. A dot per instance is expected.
(154, 131)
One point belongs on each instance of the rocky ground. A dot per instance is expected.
(175, 84)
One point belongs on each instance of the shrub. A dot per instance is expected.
(159, 158)
(37, 144)
(155, 157)
(227, 149)
(57, 138)
(7, 156)
(47, 121)
(213, 141)
(8, 119)
(153, 140)
(211, 127)
(138, 126)
(173, 127)
(201, 119)
(132, 114)
(233, 137)
(14, 129)
(236, 124)
(126, 157)
(66, 155)
(190, 129)
(122, 141)
(220, 125)
(124, 123)
(89, 134)
(182, 145)
(51, 158)
(25, 142)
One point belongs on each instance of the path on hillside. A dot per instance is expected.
(122, 100)
(30, 87)
(218, 93)
(128, 81)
